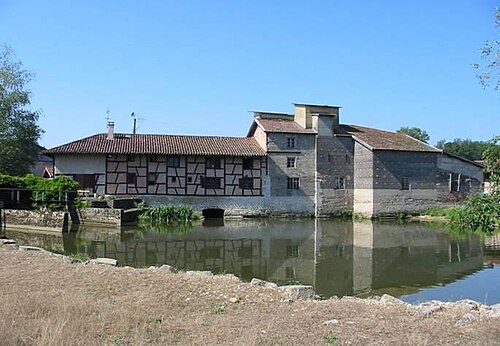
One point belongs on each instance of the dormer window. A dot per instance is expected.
(290, 142)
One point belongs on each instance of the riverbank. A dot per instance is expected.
(47, 300)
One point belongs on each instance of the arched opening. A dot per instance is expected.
(213, 213)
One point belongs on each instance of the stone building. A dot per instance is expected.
(305, 163)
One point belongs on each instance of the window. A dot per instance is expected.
(330, 158)
(292, 250)
(153, 158)
(130, 157)
(151, 178)
(173, 179)
(213, 162)
(211, 183)
(246, 183)
(131, 178)
(293, 184)
(339, 183)
(174, 161)
(290, 162)
(190, 179)
(454, 182)
(405, 183)
(290, 142)
(247, 163)
(347, 158)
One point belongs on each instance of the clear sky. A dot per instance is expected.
(198, 67)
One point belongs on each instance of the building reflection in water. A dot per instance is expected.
(336, 257)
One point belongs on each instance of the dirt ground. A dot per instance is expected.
(45, 300)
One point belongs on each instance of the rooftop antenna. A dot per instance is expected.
(135, 122)
(107, 116)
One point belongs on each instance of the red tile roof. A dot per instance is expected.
(283, 126)
(385, 140)
(161, 144)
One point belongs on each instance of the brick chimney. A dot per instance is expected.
(111, 130)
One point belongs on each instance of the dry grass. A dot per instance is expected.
(47, 301)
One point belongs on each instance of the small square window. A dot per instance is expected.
(339, 183)
(174, 161)
(190, 179)
(347, 158)
(151, 178)
(247, 163)
(246, 183)
(293, 183)
(130, 157)
(291, 162)
(212, 162)
(405, 183)
(173, 179)
(211, 183)
(290, 142)
(153, 158)
(131, 178)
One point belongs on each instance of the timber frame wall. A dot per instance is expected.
(181, 175)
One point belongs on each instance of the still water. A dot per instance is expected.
(414, 261)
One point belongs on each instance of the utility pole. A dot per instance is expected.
(135, 122)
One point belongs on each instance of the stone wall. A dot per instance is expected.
(363, 180)
(37, 218)
(102, 216)
(334, 160)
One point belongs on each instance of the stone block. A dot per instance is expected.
(297, 292)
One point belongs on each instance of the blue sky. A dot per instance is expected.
(198, 67)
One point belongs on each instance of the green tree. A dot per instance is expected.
(416, 133)
(489, 73)
(466, 148)
(19, 130)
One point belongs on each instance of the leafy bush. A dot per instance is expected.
(479, 213)
(8, 181)
(169, 213)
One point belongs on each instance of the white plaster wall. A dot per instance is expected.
(80, 164)
(363, 202)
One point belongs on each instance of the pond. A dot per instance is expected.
(413, 261)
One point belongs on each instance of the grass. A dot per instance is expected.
(331, 339)
(437, 211)
(218, 308)
(82, 257)
(168, 213)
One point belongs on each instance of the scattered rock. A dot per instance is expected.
(495, 311)
(234, 300)
(390, 299)
(152, 268)
(297, 292)
(229, 276)
(103, 260)
(467, 319)
(263, 283)
(350, 298)
(330, 322)
(30, 248)
(7, 241)
(168, 268)
(430, 310)
(200, 273)
(468, 304)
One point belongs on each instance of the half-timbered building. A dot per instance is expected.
(300, 163)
